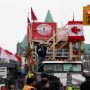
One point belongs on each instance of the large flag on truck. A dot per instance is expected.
(75, 31)
(43, 30)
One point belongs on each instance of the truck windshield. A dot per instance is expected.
(62, 67)
(53, 67)
(72, 67)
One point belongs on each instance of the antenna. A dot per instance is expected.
(62, 24)
(73, 16)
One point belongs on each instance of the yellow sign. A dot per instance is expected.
(86, 15)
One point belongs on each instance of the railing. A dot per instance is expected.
(59, 53)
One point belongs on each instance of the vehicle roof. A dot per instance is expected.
(61, 62)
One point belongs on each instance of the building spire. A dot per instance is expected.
(48, 17)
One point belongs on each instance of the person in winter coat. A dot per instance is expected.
(30, 84)
(41, 51)
(43, 84)
(55, 83)
(86, 84)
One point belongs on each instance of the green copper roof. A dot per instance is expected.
(85, 47)
(24, 42)
(48, 17)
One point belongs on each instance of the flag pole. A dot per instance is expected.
(32, 44)
(28, 57)
(53, 45)
(73, 16)
(28, 31)
(79, 48)
(33, 18)
(70, 51)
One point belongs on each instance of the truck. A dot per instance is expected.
(68, 72)
(63, 56)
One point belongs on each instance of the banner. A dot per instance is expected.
(43, 30)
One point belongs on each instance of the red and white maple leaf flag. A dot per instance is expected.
(75, 31)
(3, 55)
(11, 55)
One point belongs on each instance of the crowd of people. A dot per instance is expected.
(47, 82)
(30, 80)
(50, 82)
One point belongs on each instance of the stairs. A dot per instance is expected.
(57, 42)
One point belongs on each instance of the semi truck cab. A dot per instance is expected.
(69, 72)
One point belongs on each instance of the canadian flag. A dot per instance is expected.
(11, 56)
(3, 55)
(6, 56)
(75, 31)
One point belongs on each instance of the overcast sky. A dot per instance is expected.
(13, 17)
